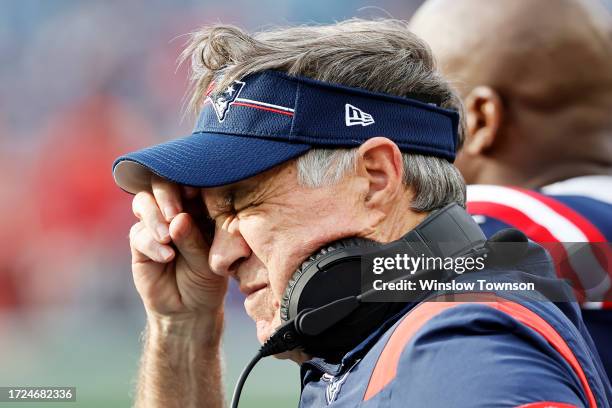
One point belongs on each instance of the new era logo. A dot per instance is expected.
(355, 116)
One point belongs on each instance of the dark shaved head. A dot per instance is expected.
(536, 77)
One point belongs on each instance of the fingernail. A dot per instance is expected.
(165, 252)
(170, 212)
(163, 232)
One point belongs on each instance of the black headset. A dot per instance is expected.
(325, 310)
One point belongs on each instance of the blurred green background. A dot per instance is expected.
(99, 353)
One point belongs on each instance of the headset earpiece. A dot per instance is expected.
(331, 274)
(303, 279)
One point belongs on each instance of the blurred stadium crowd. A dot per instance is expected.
(81, 82)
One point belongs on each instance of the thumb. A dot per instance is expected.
(190, 242)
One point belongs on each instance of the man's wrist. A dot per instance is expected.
(206, 330)
(181, 362)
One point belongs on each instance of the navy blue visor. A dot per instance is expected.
(268, 118)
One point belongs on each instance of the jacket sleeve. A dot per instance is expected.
(476, 356)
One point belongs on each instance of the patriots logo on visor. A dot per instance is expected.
(221, 101)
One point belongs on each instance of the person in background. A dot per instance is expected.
(536, 80)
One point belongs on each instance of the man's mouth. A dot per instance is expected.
(255, 299)
(248, 290)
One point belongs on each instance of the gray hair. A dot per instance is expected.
(378, 55)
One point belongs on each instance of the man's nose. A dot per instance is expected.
(228, 250)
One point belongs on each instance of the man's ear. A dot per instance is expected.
(484, 114)
(379, 160)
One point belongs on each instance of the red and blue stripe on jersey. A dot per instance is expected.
(575, 210)
(550, 219)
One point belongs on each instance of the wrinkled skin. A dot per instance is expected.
(265, 227)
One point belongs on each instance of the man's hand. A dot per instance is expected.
(181, 365)
(174, 282)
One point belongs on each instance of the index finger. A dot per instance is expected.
(168, 197)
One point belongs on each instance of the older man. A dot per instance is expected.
(307, 136)
(539, 144)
